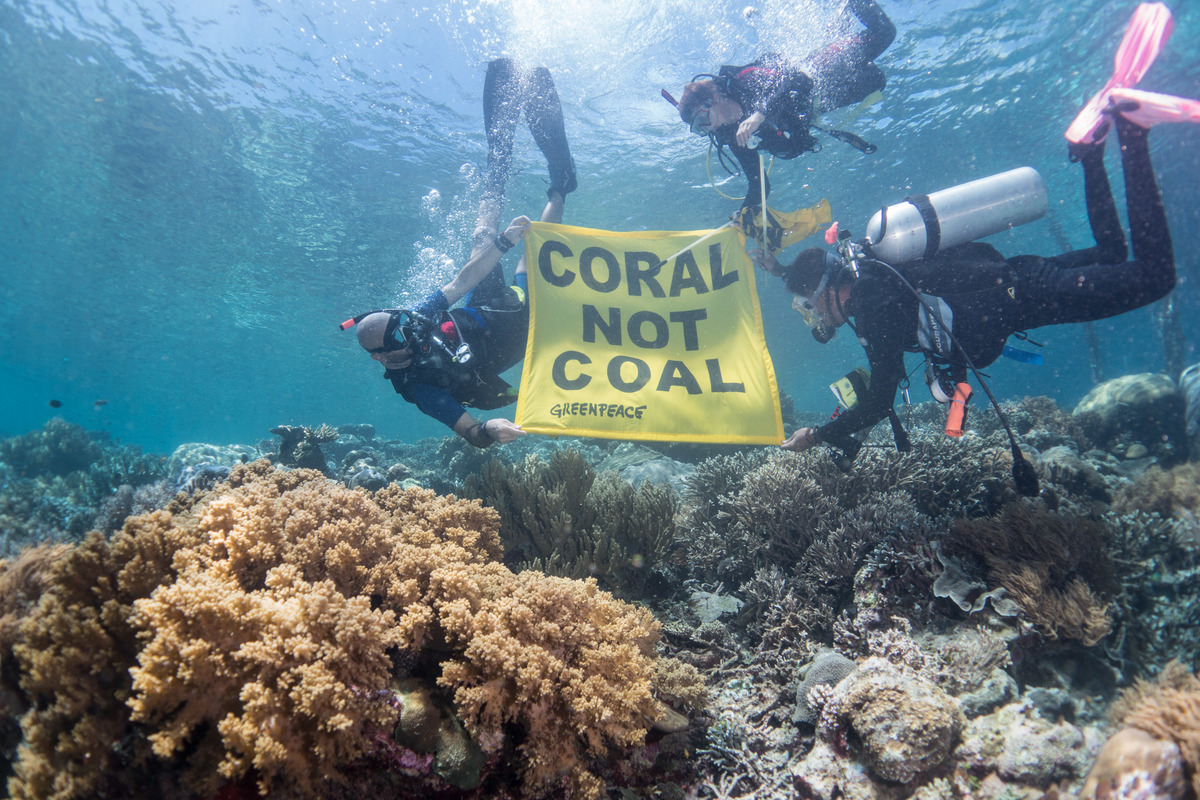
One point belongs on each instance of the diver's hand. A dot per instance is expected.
(748, 127)
(801, 440)
(766, 261)
(502, 430)
(516, 229)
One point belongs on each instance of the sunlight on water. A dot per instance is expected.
(200, 190)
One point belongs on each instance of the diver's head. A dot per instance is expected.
(704, 107)
(385, 335)
(696, 95)
(814, 280)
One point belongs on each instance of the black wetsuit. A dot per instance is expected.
(992, 297)
(507, 91)
(840, 74)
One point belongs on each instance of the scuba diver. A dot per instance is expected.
(443, 359)
(779, 103)
(959, 306)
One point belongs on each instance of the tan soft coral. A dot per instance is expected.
(249, 629)
(565, 660)
(287, 673)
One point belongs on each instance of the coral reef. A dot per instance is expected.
(1146, 409)
(1167, 712)
(300, 446)
(560, 518)
(1054, 566)
(194, 454)
(251, 632)
(1134, 763)
(827, 669)
(780, 507)
(1172, 493)
(900, 724)
(1025, 748)
(59, 448)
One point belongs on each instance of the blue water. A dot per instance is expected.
(194, 194)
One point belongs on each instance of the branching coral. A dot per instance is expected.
(1054, 566)
(560, 518)
(782, 505)
(1159, 603)
(59, 448)
(248, 631)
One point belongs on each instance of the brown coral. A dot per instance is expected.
(250, 629)
(1170, 493)
(1168, 710)
(559, 517)
(1053, 565)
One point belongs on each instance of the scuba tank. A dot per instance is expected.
(923, 225)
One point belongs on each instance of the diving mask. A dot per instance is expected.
(702, 119)
(807, 306)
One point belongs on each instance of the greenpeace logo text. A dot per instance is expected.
(596, 410)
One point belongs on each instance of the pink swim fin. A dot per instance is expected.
(1149, 108)
(1149, 28)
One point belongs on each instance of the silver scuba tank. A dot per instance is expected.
(923, 225)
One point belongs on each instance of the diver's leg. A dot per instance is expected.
(1058, 290)
(842, 71)
(1101, 209)
(880, 32)
(1148, 229)
(543, 110)
(501, 108)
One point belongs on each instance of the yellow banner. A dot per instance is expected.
(628, 340)
(784, 228)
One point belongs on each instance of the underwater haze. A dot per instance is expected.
(194, 194)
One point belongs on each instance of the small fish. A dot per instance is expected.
(99, 404)
(56, 403)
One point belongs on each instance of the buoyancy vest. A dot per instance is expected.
(495, 333)
(785, 133)
(974, 282)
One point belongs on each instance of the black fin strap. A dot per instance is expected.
(854, 140)
(903, 444)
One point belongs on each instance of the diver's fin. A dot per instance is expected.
(868, 101)
(1149, 108)
(1149, 28)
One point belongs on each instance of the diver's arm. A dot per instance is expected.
(482, 262)
(748, 127)
(483, 434)
(882, 323)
